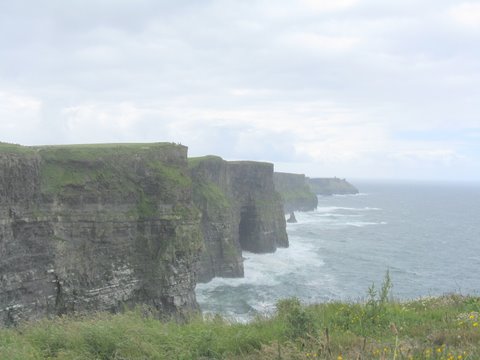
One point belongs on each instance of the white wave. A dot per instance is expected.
(364, 223)
(349, 195)
(330, 209)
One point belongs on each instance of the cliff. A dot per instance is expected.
(330, 186)
(240, 211)
(295, 192)
(96, 227)
(105, 227)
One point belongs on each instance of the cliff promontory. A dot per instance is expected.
(331, 186)
(295, 192)
(240, 211)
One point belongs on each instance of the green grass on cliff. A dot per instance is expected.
(444, 328)
(300, 194)
(113, 167)
(205, 192)
(210, 195)
(8, 148)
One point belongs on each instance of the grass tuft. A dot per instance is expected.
(444, 327)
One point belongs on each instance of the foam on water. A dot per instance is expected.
(337, 251)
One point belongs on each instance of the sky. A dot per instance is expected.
(348, 88)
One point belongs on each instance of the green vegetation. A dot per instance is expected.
(195, 161)
(210, 196)
(206, 194)
(302, 194)
(444, 328)
(15, 149)
(116, 171)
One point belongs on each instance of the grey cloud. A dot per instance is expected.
(408, 66)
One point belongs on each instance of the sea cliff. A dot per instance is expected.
(105, 227)
(96, 227)
(240, 211)
(295, 192)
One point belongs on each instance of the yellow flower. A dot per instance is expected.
(471, 317)
(459, 357)
(475, 324)
(439, 350)
(339, 357)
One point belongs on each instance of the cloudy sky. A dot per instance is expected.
(349, 88)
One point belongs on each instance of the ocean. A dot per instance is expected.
(427, 235)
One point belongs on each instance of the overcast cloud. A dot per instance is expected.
(349, 88)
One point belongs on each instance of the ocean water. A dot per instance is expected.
(426, 235)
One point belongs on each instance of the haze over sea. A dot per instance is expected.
(426, 234)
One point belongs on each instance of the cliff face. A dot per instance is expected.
(222, 255)
(330, 186)
(295, 191)
(240, 211)
(262, 223)
(96, 227)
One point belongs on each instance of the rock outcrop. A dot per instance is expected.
(240, 211)
(295, 192)
(331, 186)
(96, 228)
(292, 219)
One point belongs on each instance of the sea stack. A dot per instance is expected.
(292, 218)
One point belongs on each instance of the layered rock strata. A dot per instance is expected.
(96, 228)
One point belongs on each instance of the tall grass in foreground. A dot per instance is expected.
(445, 327)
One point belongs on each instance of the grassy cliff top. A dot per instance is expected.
(7, 148)
(86, 152)
(90, 149)
(195, 161)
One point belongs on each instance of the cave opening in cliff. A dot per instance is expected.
(247, 227)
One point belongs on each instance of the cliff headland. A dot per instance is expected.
(331, 186)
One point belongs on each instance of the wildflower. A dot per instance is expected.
(439, 350)
(471, 317)
(340, 357)
(475, 324)
(459, 357)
